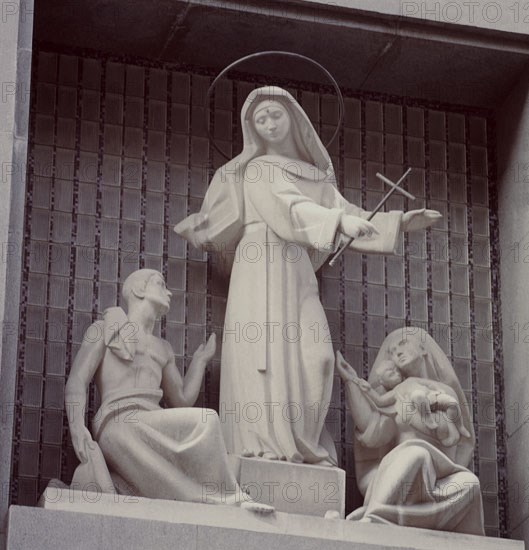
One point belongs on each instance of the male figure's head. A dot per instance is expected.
(146, 286)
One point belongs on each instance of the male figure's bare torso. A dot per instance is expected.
(143, 372)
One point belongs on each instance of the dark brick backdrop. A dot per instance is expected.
(119, 154)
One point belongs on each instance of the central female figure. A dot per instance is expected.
(278, 202)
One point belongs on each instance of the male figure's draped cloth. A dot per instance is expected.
(283, 215)
(165, 453)
(174, 453)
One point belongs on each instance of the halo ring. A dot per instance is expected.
(341, 106)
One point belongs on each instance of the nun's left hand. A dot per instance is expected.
(415, 220)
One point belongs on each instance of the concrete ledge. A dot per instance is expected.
(82, 520)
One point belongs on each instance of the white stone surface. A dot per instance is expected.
(69, 520)
(292, 488)
(414, 438)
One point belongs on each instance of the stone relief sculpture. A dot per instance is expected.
(414, 438)
(174, 453)
(277, 202)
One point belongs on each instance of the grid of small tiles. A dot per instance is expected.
(119, 154)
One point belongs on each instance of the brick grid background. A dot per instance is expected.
(119, 154)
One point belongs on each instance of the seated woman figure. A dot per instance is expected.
(412, 473)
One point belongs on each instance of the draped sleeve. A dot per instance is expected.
(220, 220)
(298, 218)
(387, 223)
(289, 213)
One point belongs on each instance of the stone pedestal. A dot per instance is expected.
(84, 521)
(293, 488)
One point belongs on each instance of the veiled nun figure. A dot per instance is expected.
(278, 204)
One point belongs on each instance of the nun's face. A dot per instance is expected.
(271, 121)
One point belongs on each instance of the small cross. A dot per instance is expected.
(394, 187)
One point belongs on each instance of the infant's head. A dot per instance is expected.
(388, 374)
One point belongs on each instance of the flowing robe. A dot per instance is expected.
(277, 357)
(174, 454)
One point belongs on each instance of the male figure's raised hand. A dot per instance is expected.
(205, 352)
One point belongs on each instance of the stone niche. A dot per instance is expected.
(415, 62)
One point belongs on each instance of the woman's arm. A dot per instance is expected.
(362, 410)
